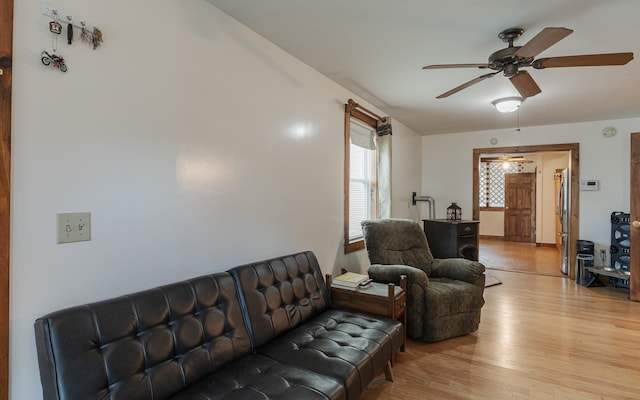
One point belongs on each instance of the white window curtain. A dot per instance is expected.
(384, 167)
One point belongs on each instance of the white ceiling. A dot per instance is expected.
(376, 48)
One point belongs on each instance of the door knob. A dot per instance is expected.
(636, 224)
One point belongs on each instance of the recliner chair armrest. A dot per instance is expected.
(458, 268)
(417, 286)
(392, 273)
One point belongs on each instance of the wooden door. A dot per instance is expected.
(634, 281)
(520, 207)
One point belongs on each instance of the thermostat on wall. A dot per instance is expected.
(589, 185)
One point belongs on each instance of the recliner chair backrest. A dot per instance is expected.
(397, 241)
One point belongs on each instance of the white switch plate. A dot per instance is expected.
(74, 227)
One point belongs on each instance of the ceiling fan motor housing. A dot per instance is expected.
(506, 60)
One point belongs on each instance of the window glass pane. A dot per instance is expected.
(357, 165)
(358, 211)
(359, 189)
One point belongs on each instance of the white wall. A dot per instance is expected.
(195, 144)
(606, 159)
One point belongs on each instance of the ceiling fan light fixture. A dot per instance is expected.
(508, 104)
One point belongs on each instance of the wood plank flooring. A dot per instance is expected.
(541, 337)
(519, 256)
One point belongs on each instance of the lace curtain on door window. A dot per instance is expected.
(492, 182)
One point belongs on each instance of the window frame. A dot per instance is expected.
(352, 113)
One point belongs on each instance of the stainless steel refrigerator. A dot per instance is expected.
(563, 215)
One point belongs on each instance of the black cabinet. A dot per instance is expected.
(451, 239)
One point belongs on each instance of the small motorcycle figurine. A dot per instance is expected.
(57, 61)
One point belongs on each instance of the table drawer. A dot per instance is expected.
(467, 229)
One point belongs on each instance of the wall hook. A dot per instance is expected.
(88, 31)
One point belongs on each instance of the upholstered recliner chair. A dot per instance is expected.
(444, 296)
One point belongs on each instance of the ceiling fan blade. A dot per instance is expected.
(525, 84)
(466, 85)
(542, 41)
(440, 66)
(587, 60)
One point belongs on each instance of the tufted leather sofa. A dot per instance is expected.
(264, 330)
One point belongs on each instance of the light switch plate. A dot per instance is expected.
(74, 227)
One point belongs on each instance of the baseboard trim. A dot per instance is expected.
(490, 237)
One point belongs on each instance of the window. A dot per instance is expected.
(491, 188)
(362, 183)
(361, 188)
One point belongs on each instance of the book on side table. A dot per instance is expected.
(351, 281)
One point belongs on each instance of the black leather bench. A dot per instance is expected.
(263, 330)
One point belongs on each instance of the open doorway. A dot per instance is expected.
(571, 152)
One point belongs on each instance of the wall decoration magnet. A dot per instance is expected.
(55, 27)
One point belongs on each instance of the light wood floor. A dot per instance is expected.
(520, 257)
(540, 337)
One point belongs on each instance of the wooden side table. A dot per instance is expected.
(383, 299)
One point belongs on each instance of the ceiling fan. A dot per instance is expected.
(511, 59)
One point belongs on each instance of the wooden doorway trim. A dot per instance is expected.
(6, 55)
(634, 267)
(574, 168)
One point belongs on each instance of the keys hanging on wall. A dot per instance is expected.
(90, 34)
